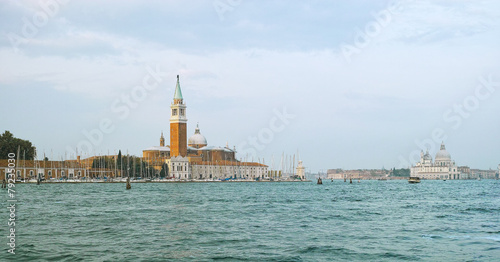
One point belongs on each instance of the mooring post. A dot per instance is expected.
(128, 183)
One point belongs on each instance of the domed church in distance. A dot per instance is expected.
(192, 158)
(443, 166)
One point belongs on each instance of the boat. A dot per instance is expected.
(319, 181)
(414, 180)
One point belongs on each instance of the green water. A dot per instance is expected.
(371, 220)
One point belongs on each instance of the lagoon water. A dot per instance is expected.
(336, 221)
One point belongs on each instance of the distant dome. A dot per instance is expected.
(442, 154)
(197, 140)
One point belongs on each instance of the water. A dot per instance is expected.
(371, 220)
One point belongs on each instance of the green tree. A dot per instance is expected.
(403, 172)
(164, 171)
(119, 159)
(10, 144)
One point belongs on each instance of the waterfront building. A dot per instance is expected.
(443, 167)
(31, 170)
(357, 173)
(301, 173)
(179, 167)
(464, 172)
(193, 158)
(483, 174)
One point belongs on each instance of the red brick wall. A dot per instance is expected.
(178, 139)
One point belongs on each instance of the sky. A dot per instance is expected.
(339, 84)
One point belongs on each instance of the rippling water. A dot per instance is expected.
(371, 220)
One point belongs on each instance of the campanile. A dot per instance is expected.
(178, 124)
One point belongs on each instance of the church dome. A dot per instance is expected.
(197, 140)
(442, 154)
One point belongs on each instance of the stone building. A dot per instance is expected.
(193, 158)
(26, 170)
(443, 167)
(301, 172)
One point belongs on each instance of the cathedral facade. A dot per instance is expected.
(193, 158)
(443, 167)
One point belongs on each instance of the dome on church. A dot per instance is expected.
(442, 154)
(197, 140)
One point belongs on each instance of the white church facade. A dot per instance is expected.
(443, 167)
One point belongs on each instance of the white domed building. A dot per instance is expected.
(443, 166)
(197, 140)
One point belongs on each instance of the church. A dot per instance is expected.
(443, 166)
(193, 158)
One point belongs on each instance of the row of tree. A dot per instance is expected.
(403, 172)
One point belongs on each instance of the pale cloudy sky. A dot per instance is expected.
(365, 83)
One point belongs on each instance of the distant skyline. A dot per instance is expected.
(346, 84)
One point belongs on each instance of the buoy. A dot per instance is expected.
(128, 183)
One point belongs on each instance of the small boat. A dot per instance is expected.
(319, 181)
(413, 180)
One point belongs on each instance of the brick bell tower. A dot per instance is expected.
(178, 123)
